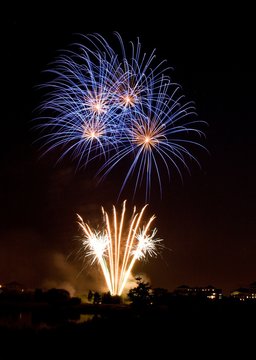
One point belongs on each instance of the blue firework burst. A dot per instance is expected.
(158, 139)
(77, 114)
(119, 105)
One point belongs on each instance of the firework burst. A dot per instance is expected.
(118, 105)
(116, 248)
(157, 138)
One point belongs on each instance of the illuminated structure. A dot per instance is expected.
(245, 294)
(208, 292)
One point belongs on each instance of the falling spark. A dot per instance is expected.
(116, 248)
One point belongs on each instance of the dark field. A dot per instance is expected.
(185, 328)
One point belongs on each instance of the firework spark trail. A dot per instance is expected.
(96, 244)
(116, 250)
(141, 244)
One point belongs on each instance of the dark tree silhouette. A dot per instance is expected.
(57, 296)
(90, 296)
(141, 295)
(107, 298)
(96, 298)
(160, 296)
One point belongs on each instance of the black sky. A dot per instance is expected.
(207, 222)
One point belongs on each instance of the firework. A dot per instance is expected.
(157, 140)
(91, 95)
(76, 114)
(117, 247)
(118, 106)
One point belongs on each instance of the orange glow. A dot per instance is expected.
(148, 134)
(97, 107)
(128, 100)
(93, 131)
(96, 103)
(147, 140)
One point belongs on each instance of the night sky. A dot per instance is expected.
(207, 222)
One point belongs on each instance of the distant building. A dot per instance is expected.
(13, 286)
(182, 290)
(209, 292)
(245, 294)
